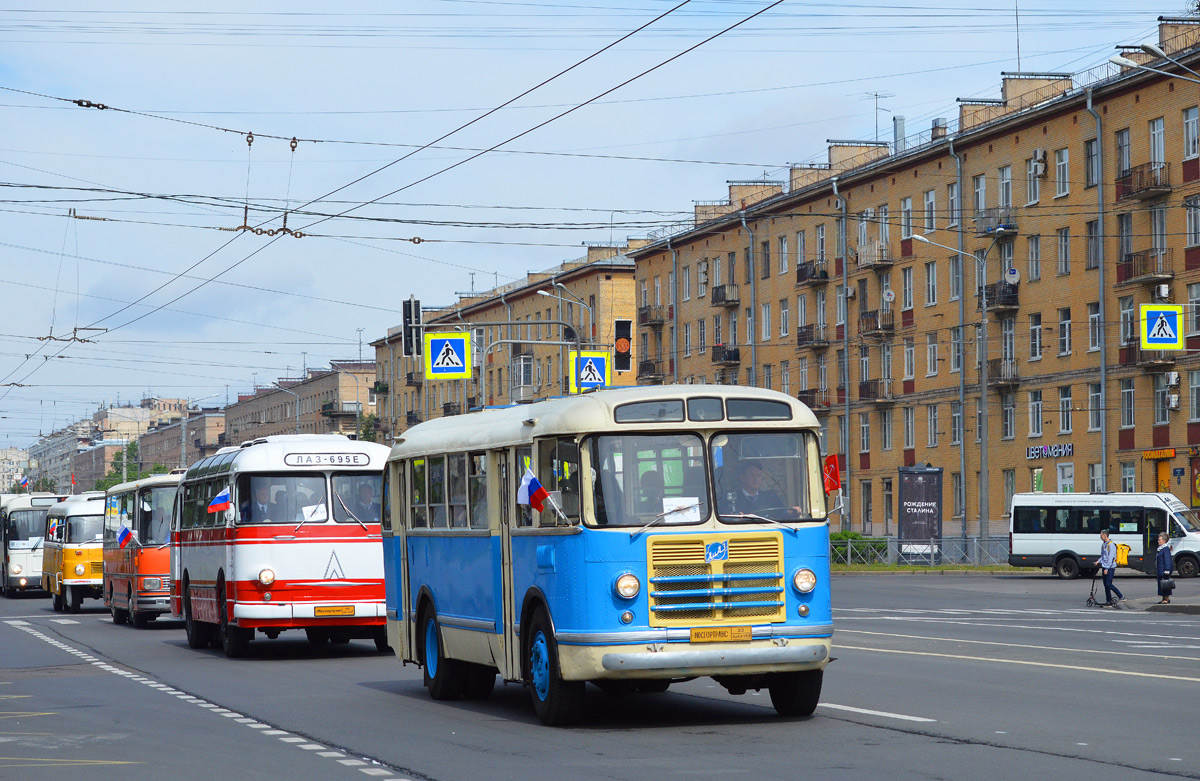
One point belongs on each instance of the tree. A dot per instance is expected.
(35, 484)
(368, 428)
(127, 455)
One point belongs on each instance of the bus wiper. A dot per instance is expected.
(756, 517)
(305, 519)
(660, 516)
(342, 502)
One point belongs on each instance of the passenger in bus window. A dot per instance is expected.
(367, 508)
(652, 493)
(750, 497)
(258, 509)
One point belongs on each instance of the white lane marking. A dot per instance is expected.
(375, 771)
(293, 739)
(17, 623)
(1089, 631)
(967, 658)
(63, 621)
(351, 762)
(310, 746)
(276, 732)
(1019, 645)
(883, 714)
(331, 754)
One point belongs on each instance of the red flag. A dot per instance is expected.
(832, 475)
(72, 478)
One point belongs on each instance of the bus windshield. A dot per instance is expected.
(154, 524)
(26, 525)
(356, 497)
(283, 498)
(761, 475)
(85, 528)
(640, 478)
(1188, 519)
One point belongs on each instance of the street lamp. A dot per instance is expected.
(981, 270)
(183, 421)
(1151, 49)
(297, 398)
(591, 315)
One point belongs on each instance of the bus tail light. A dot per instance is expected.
(804, 580)
(266, 576)
(628, 586)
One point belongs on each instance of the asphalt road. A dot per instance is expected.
(936, 677)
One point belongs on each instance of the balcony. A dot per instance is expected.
(335, 409)
(1132, 354)
(817, 400)
(877, 322)
(653, 316)
(812, 272)
(815, 336)
(726, 356)
(650, 371)
(725, 295)
(1000, 297)
(1003, 372)
(380, 387)
(411, 419)
(451, 408)
(414, 379)
(1143, 182)
(522, 348)
(995, 222)
(1152, 266)
(876, 254)
(876, 391)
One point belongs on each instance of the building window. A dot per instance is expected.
(1094, 326)
(864, 432)
(1124, 236)
(1035, 337)
(749, 326)
(1091, 163)
(1092, 229)
(931, 421)
(1065, 406)
(783, 254)
(840, 305)
(953, 204)
(956, 423)
(766, 260)
(1128, 324)
(1158, 147)
(931, 283)
(821, 243)
(1127, 416)
(956, 348)
(910, 427)
(979, 184)
(784, 316)
(885, 227)
(701, 336)
(1008, 416)
(1192, 205)
(1033, 246)
(864, 363)
(885, 429)
(906, 288)
(1062, 176)
(1161, 395)
(956, 493)
(1032, 181)
(841, 368)
(910, 358)
(1095, 413)
(1128, 477)
(955, 277)
(931, 354)
(822, 373)
(1194, 395)
(686, 278)
(1035, 413)
(1064, 331)
(1005, 188)
(766, 322)
(1191, 133)
(906, 218)
(865, 508)
(768, 376)
(1064, 250)
(687, 338)
(820, 307)
(785, 378)
(1010, 488)
(885, 361)
(1123, 157)
(930, 211)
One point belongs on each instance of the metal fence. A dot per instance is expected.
(972, 551)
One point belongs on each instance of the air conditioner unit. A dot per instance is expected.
(1173, 401)
(850, 292)
(1162, 292)
(1173, 379)
(702, 276)
(703, 265)
(1039, 169)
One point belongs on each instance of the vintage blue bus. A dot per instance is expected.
(684, 535)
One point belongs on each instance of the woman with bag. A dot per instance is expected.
(1163, 569)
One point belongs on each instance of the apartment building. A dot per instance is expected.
(165, 445)
(324, 401)
(93, 463)
(1008, 356)
(521, 336)
(14, 463)
(52, 455)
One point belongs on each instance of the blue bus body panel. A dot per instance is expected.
(457, 571)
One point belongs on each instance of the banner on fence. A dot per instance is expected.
(920, 515)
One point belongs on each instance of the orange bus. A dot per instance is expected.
(137, 560)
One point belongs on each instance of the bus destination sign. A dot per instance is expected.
(327, 459)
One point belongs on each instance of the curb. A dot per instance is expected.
(1191, 610)
(935, 573)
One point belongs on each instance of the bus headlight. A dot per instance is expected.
(17, 569)
(80, 569)
(266, 577)
(628, 586)
(804, 580)
(152, 584)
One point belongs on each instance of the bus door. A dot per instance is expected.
(505, 495)
(1156, 521)
(395, 506)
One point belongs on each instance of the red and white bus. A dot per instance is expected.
(281, 533)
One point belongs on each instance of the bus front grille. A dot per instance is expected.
(716, 579)
(97, 569)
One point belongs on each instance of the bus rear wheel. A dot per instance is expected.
(381, 640)
(556, 702)
(199, 635)
(56, 603)
(796, 693)
(443, 677)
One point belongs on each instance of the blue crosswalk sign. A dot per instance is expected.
(1161, 327)
(590, 369)
(447, 356)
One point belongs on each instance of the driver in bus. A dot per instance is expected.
(259, 508)
(750, 497)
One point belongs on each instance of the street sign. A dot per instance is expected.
(447, 356)
(590, 369)
(1161, 326)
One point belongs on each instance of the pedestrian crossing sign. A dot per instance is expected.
(448, 356)
(590, 369)
(1161, 326)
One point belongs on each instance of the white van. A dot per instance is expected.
(1062, 531)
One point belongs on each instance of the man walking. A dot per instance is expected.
(1108, 567)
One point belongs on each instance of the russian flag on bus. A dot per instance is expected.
(531, 491)
(220, 501)
(23, 481)
(124, 536)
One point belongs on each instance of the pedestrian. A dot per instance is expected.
(1108, 566)
(1162, 567)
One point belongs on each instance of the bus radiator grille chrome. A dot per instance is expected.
(688, 589)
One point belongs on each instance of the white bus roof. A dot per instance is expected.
(269, 454)
(1107, 499)
(588, 412)
(147, 482)
(25, 501)
(90, 503)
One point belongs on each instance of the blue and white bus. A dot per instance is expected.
(685, 535)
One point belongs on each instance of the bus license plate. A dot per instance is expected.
(334, 610)
(721, 634)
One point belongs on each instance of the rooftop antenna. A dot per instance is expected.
(1017, 16)
(876, 96)
(359, 344)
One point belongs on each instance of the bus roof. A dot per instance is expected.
(25, 501)
(90, 503)
(269, 454)
(1085, 497)
(587, 412)
(147, 482)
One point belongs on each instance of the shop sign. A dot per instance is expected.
(1158, 455)
(1049, 451)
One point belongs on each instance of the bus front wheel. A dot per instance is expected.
(796, 693)
(1067, 568)
(1187, 566)
(556, 702)
(443, 677)
(74, 599)
(235, 640)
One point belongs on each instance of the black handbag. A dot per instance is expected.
(1167, 584)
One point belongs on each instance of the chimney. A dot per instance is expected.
(898, 132)
(940, 128)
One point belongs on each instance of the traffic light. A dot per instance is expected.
(411, 334)
(623, 331)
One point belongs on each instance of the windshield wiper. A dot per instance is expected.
(304, 519)
(756, 517)
(342, 502)
(660, 516)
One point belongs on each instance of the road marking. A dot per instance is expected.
(965, 657)
(63, 621)
(351, 762)
(1019, 645)
(7, 762)
(22, 714)
(17, 623)
(881, 713)
(375, 771)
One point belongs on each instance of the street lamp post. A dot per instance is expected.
(296, 396)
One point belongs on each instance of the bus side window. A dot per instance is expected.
(1126, 520)
(478, 490)
(1156, 521)
(558, 472)
(385, 503)
(1030, 520)
(524, 461)
(1064, 523)
(456, 484)
(416, 502)
(436, 498)
(1088, 521)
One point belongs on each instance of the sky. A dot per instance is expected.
(124, 273)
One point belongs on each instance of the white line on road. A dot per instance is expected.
(63, 621)
(17, 623)
(883, 714)
(1019, 645)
